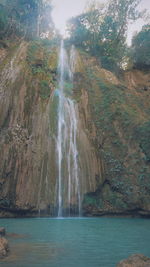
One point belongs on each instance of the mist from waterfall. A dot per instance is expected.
(68, 183)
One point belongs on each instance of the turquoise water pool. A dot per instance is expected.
(75, 242)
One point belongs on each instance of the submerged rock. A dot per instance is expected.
(2, 231)
(137, 260)
(4, 247)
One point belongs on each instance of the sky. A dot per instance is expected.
(65, 9)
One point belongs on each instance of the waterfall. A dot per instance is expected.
(73, 57)
(68, 183)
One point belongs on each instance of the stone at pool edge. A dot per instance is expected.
(137, 260)
(4, 247)
(2, 231)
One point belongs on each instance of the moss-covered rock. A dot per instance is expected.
(113, 134)
(121, 140)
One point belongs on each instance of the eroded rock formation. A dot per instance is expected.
(113, 134)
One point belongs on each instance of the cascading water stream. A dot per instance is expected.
(60, 126)
(68, 184)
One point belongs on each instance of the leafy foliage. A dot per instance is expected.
(141, 48)
(44, 89)
(27, 18)
(143, 133)
(102, 31)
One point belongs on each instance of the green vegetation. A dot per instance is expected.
(42, 57)
(90, 199)
(121, 127)
(140, 51)
(24, 18)
(42, 65)
(101, 31)
(53, 120)
(122, 134)
(143, 134)
(44, 89)
(109, 104)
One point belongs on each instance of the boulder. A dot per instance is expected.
(137, 260)
(4, 247)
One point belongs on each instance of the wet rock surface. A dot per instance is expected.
(137, 260)
(4, 247)
(114, 130)
(2, 231)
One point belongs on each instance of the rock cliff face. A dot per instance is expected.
(26, 77)
(116, 113)
(113, 134)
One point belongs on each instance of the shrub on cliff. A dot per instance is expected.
(141, 48)
(143, 134)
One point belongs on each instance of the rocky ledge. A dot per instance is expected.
(137, 260)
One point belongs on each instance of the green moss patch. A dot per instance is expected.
(44, 89)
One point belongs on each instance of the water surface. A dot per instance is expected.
(75, 242)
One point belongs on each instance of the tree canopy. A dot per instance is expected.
(140, 50)
(102, 30)
(27, 18)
